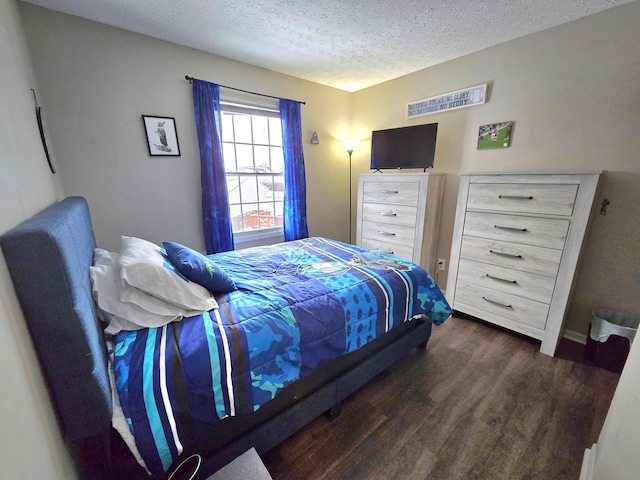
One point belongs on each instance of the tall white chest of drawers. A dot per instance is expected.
(400, 213)
(516, 246)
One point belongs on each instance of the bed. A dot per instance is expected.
(50, 257)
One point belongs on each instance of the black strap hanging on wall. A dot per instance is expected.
(189, 79)
(42, 135)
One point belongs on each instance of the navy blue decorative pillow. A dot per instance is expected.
(198, 268)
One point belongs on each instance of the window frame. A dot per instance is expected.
(262, 235)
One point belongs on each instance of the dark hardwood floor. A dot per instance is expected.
(480, 403)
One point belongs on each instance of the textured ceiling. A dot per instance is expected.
(346, 44)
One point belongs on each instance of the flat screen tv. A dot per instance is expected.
(404, 147)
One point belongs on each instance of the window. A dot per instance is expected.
(254, 167)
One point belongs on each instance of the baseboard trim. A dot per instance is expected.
(575, 336)
(568, 334)
(588, 463)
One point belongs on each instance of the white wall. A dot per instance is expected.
(571, 90)
(99, 80)
(616, 454)
(30, 444)
(573, 94)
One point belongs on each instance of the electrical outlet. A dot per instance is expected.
(441, 264)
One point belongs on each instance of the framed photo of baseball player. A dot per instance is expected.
(495, 135)
(162, 136)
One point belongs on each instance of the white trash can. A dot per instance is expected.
(610, 337)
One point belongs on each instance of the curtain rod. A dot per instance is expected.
(189, 79)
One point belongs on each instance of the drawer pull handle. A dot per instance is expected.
(388, 214)
(513, 229)
(496, 303)
(389, 191)
(504, 254)
(501, 279)
(515, 197)
(388, 234)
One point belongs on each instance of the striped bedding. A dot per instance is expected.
(298, 304)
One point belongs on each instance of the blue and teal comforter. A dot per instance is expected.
(298, 304)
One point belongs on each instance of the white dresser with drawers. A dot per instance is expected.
(516, 246)
(400, 213)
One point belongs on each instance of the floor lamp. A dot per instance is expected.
(350, 145)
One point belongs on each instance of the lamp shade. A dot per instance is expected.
(350, 144)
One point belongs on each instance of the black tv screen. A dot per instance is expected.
(404, 147)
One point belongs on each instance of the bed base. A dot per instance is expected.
(326, 399)
(107, 458)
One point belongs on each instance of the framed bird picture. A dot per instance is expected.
(162, 136)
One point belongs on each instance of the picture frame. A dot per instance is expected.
(495, 135)
(162, 136)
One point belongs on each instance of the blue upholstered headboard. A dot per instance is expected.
(49, 257)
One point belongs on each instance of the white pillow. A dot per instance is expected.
(107, 289)
(150, 303)
(144, 266)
